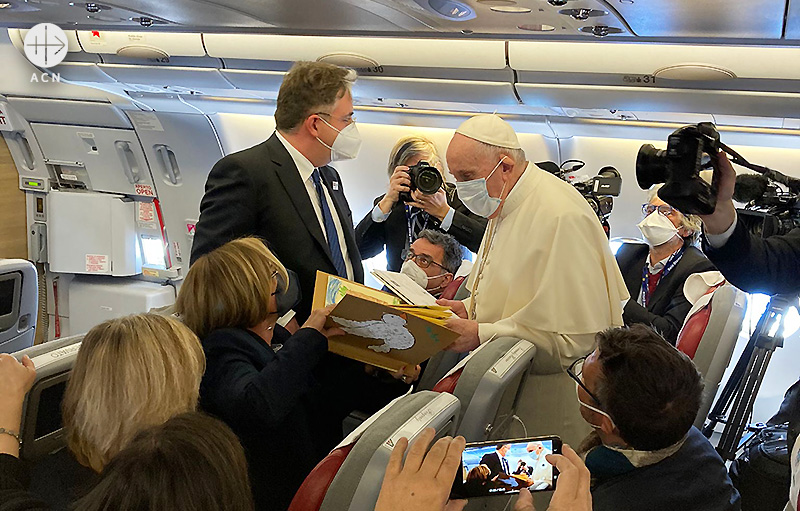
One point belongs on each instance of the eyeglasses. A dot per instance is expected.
(575, 371)
(422, 260)
(348, 119)
(276, 276)
(664, 209)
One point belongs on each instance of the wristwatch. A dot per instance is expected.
(4, 431)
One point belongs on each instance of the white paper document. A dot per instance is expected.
(402, 285)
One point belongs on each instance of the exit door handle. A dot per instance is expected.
(130, 165)
(169, 164)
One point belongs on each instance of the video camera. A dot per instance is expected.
(770, 209)
(425, 178)
(598, 190)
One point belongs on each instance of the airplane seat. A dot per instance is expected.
(350, 477)
(463, 291)
(452, 288)
(41, 429)
(488, 384)
(709, 335)
(19, 301)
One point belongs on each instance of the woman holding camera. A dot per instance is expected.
(395, 222)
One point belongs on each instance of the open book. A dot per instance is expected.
(380, 328)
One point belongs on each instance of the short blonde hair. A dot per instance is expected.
(131, 373)
(230, 287)
(413, 146)
(691, 223)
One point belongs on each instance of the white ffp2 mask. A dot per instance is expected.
(475, 195)
(657, 229)
(347, 143)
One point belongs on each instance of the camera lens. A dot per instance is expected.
(429, 180)
(651, 166)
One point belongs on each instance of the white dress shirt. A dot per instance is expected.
(306, 168)
(718, 240)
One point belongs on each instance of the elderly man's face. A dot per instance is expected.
(467, 161)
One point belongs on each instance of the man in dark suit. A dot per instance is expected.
(284, 191)
(497, 462)
(655, 273)
(393, 224)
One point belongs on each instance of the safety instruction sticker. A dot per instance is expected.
(145, 121)
(146, 215)
(97, 263)
(191, 227)
(145, 190)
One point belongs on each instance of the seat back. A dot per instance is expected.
(41, 430)
(708, 337)
(19, 301)
(488, 385)
(350, 477)
(452, 288)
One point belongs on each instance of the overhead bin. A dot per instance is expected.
(142, 44)
(17, 36)
(66, 111)
(167, 77)
(442, 70)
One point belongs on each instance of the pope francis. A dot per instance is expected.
(544, 271)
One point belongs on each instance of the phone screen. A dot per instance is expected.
(506, 467)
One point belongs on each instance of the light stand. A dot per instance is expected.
(742, 387)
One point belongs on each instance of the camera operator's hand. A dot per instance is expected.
(725, 213)
(399, 182)
(435, 205)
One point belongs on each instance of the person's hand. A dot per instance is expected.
(725, 213)
(16, 378)
(317, 321)
(468, 338)
(423, 482)
(572, 490)
(407, 374)
(457, 306)
(524, 502)
(435, 205)
(398, 182)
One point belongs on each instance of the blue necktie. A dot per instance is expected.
(330, 228)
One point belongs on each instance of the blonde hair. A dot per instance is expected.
(131, 373)
(413, 146)
(480, 473)
(691, 223)
(230, 287)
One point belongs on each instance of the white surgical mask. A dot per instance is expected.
(592, 408)
(657, 229)
(417, 274)
(475, 195)
(346, 144)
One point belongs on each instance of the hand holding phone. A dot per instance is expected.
(506, 467)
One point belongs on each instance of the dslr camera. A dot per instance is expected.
(690, 149)
(425, 178)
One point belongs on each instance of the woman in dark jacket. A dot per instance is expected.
(393, 224)
(258, 376)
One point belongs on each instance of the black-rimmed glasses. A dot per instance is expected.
(422, 260)
(575, 371)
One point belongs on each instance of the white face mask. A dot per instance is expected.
(475, 195)
(657, 229)
(346, 144)
(418, 275)
(592, 408)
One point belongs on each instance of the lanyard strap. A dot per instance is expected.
(673, 261)
(410, 219)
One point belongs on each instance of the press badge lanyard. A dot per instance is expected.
(410, 224)
(673, 261)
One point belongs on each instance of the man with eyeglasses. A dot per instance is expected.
(433, 260)
(655, 273)
(641, 397)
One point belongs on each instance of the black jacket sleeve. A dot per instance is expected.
(371, 235)
(467, 227)
(226, 210)
(670, 322)
(244, 394)
(13, 484)
(759, 265)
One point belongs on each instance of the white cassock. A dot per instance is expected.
(545, 273)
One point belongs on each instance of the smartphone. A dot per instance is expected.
(507, 466)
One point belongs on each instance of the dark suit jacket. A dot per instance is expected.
(668, 306)
(372, 237)
(492, 460)
(263, 396)
(258, 192)
(759, 265)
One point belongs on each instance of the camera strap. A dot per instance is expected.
(671, 263)
(415, 224)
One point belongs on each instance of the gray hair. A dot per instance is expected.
(495, 153)
(453, 251)
(691, 223)
(413, 146)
